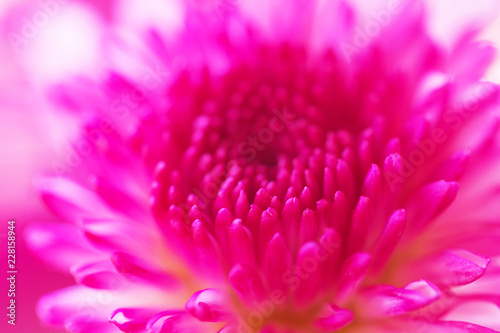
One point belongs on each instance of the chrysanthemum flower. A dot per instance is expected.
(287, 167)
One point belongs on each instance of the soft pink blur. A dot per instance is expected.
(29, 145)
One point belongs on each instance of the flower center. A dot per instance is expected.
(275, 161)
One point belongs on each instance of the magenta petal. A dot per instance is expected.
(61, 245)
(50, 312)
(174, 321)
(454, 327)
(308, 230)
(102, 234)
(386, 300)
(430, 201)
(247, 283)
(278, 263)
(207, 305)
(222, 222)
(359, 224)
(290, 218)
(155, 322)
(117, 198)
(455, 167)
(240, 244)
(241, 207)
(331, 244)
(372, 183)
(57, 307)
(308, 272)
(353, 272)
(205, 246)
(71, 201)
(134, 268)
(336, 321)
(340, 213)
(450, 268)
(180, 323)
(132, 320)
(99, 275)
(345, 179)
(269, 225)
(81, 324)
(395, 173)
(390, 237)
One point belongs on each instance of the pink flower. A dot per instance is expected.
(288, 168)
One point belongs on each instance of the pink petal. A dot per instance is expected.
(390, 237)
(278, 263)
(359, 224)
(98, 275)
(308, 271)
(449, 268)
(222, 222)
(136, 269)
(308, 227)
(61, 245)
(339, 319)
(56, 307)
(117, 198)
(345, 179)
(430, 201)
(331, 244)
(102, 234)
(71, 201)
(395, 174)
(455, 167)
(352, 274)
(83, 325)
(270, 224)
(206, 249)
(373, 183)
(290, 219)
(386, 300)
(340, 213)
(247, 283)
(241, 244)
(453, 327)
(133, 320)
(207, 305)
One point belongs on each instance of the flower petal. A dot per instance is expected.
(452, 327)
(71, 201)
(339, 319)
(132, 320)
(247, 283)
(352, 274)
(61, 245)
(448, 268)
(98, 275)
(386, 300)
(430, 201)
(207, 305)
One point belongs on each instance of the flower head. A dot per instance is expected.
(285, 169)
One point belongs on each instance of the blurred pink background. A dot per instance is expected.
(29, 143)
